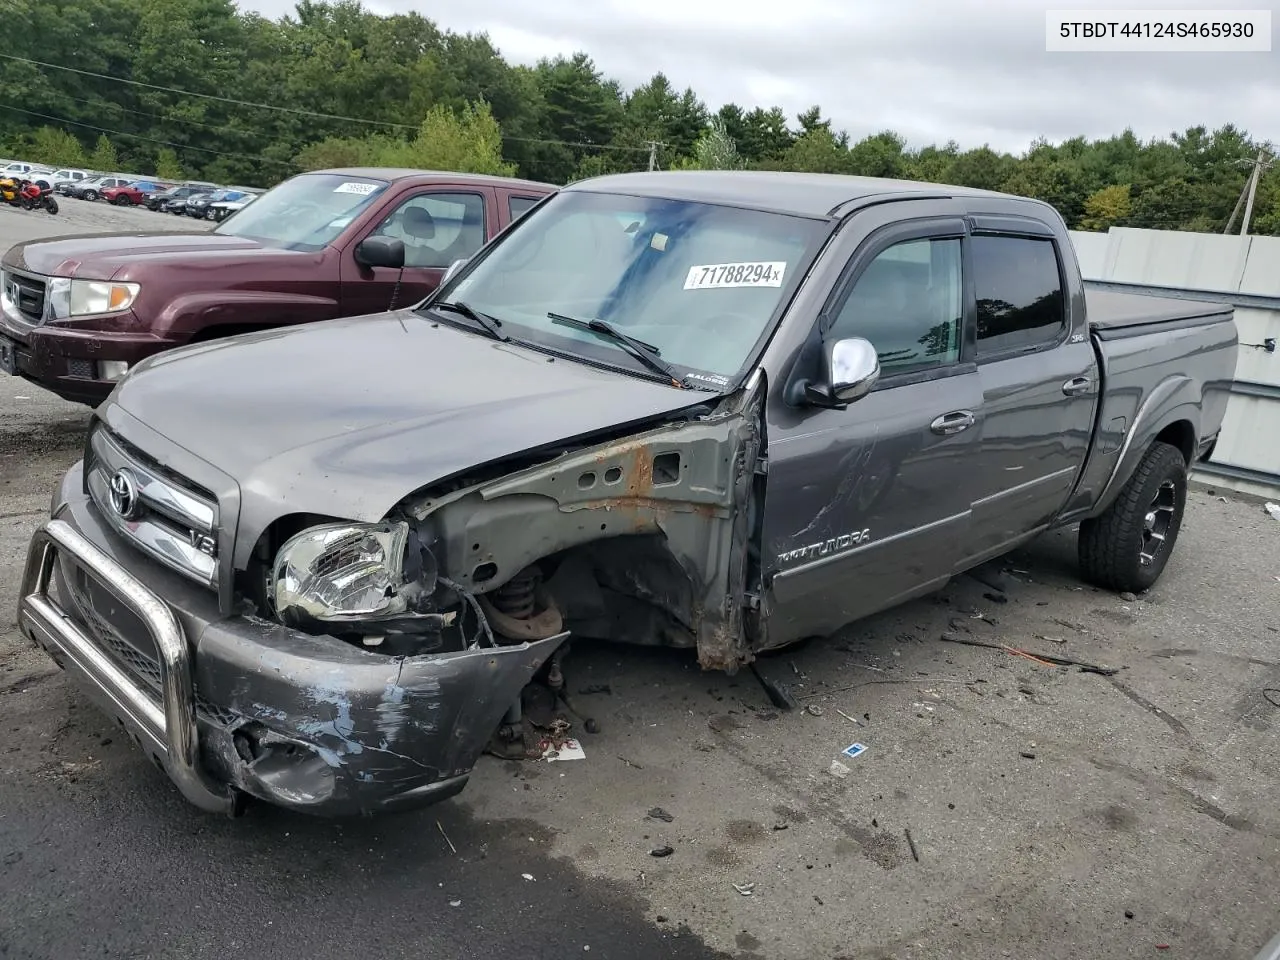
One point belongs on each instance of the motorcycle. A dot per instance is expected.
(27, 194)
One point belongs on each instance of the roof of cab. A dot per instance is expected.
(800, 194)
(394, 174)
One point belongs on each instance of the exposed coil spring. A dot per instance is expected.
(515, 598)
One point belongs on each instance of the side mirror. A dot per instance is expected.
(380, 252)
(453, 269)
(851, 369)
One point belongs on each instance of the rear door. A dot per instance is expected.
(1039, 384)
(438, 225)
(868, 506)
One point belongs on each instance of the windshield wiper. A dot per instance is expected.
(488, 323)
(646, 353)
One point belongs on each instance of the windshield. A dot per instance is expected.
(700, 282)
(306, 212)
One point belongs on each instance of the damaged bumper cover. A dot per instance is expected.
(236, 706)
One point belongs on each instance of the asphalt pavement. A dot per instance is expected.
(1053, 813)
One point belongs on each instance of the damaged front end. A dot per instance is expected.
(370, 664)
(642, 538)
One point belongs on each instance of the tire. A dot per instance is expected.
(90, 195)
(1127, 547)
(51, 205)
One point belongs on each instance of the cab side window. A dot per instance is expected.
(519, 206)
(908, 303)
(1019, 289)
(436, 228)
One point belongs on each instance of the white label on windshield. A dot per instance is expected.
(361, 188)
(722, 275)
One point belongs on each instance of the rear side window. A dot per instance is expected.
(519, 206)
(1019, 291)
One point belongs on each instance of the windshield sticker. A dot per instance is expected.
(714, 276)
(364, 189)
(659, 242)
(713, 378)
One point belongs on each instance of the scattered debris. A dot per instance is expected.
(565, 750)
(780, 826)
(1026, 754)
(746, 889)
(455, 903)
(657, 813)
(813, 710)
(1222, 499)
(995, 597)
(633, 765)
(1128, 597)
(849, 718)
(838, 769)
(1274, 510)
(663, 851)
(1128, 914)
(915, 854)
(527, 876)
(446, 838)
(595, 688)
(779, 694)
(1043, 658)
(853, 749)
(1040, 636)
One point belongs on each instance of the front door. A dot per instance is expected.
(1039, 386)
(868, 506)
(437, 228)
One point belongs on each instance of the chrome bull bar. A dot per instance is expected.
(167, 727)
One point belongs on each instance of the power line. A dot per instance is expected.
(167, 119)
(138, 136)
(283, 109)
(208, 96)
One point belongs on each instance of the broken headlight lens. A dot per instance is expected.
(341, 572)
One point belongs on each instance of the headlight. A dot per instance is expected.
(341, 572)
(79, 298)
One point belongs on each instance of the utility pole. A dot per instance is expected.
(653, 152)
(1259, 164)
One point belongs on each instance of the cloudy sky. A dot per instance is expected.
(975, 71)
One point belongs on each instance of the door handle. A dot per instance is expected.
(1076, 385)
(950, 423)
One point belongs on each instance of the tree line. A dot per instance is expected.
(200, 89)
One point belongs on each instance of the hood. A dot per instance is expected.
(99, 256)
(346, 417)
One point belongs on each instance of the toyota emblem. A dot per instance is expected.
(124, 494)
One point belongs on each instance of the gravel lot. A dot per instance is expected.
(1055, 813)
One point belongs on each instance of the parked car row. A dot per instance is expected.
(194, 198)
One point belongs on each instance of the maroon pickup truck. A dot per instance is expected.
(77, 312)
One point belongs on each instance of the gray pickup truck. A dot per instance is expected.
(328, 566)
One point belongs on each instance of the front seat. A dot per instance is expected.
(418, 227)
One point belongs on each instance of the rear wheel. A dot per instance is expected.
(1127, 547)
(91, 194)
(51, 204)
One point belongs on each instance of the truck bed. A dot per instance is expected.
(1114, 315)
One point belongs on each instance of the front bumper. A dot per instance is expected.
(240, 706)
(65, 357)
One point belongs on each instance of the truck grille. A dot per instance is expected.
(116, 628)
(163, 515)
(25, 294)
